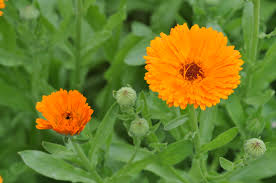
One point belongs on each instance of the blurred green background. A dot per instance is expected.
(37, 56)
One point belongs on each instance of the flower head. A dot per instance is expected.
(192, 66)
(65, 112)
(2, 6)
(254, 147)
(1, 180)
(139, 127)
(126, 96)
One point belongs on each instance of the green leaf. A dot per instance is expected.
(60, 151)
(54, 168)
(261, 168)
(12, 97)
(221, 140)
(265, 72)
(207, 121)
(122, 152)
(235, 111)
(226, 164)
(95, 18)
(103, 35)
(176, 152)
(7, 36)
(168, 8)
(140, 29)
(261, 98)
(53, 148)
(10, 59)
(248, 27)
(104, 130)
(176, 122)
(136, 55)
(14, 172)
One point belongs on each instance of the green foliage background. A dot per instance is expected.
(41, 55)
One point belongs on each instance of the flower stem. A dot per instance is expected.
(76, 79)
(125, 168)
(174, 171)
(196, 140)
(194, 128)
(86, 163)
(255, 38)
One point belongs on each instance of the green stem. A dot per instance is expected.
(174, 171)
(255, 38)
(194, 128)
(254, 48)
(86, 163)
(125, 168)
(76, 83)
(197, 158)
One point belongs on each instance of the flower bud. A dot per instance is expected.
(139, 127)
(29, 12)
(254, 147)
(125, 97)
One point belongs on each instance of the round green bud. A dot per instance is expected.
(126, 97)
(29, 12)
(254, 147)
(139, 127)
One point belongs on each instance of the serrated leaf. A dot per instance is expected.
(226, 164)
(221, 140)
(176, 122)
(54, 168)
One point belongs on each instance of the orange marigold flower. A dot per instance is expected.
(65, 112)
(192, 66)
(1, 180)
(2, 6)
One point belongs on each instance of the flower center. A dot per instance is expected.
(191, 72)
(68, 115)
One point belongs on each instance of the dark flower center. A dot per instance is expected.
(192, 71)
(68, 115)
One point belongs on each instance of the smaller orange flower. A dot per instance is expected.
(1, 180)
(65, 112)
(2, 6)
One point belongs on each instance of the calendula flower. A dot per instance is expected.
(65, 112)
(1, 179)
(2, 6)
(192, 66)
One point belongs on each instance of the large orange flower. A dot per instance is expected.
(192, 66)
(65, 112)
(2, 6)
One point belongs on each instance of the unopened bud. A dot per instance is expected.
(125, 97)
(254, 147)
(139, 127)
(29, 12)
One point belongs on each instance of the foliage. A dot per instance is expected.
(98, 48)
